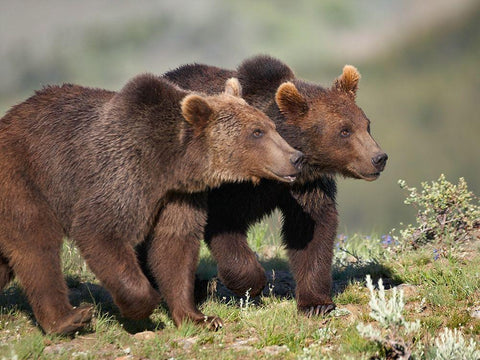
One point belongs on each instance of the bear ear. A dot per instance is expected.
(233, 87)
(290, 102)
(197, 112)
(348, 81)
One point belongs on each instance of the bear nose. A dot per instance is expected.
(297, 159)
(379, 161)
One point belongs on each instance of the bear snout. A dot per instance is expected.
(297, 159)
(379, 161)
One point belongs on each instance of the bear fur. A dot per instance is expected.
(111, 169)
(333, 133)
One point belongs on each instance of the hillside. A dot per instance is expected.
(422, 98)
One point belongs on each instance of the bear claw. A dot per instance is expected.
(213, 323)
(318, 310)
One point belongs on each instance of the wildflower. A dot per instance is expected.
(387, 240)
(342, 237)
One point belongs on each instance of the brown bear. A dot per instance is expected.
(333, 133)
(100, 167)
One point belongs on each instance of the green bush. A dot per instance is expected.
(445, 212)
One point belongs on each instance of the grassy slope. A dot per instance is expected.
(441, 292)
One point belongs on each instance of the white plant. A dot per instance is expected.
(245, 304)
(13, 357)
(386, 312)
(369, 332)
(451, 345)
(389, 312)
(391, 331)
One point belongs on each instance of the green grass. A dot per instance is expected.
(352, 294)
(442, 292)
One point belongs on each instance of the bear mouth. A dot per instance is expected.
(290, 178)
(284, 178)
(352, 172)
(370, 176)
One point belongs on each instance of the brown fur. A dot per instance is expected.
(332, 132)
(109, 170)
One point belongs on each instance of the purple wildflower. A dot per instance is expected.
(387, 240)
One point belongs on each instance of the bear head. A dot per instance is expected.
(242, 142)
(328, 126)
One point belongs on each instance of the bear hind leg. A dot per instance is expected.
(115, 264)
(30, 239)
(34, 257)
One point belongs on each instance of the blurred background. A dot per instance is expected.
(419, 62)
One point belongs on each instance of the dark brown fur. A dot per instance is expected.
(334, 134)
(109, 170)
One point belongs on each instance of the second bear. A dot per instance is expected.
(334, 134)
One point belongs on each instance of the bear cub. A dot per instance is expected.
(333, 132)
(100, 167)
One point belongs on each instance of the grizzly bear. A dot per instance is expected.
(333, 133)
(109, 169)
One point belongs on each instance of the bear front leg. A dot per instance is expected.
(309, 230)
(173, 256)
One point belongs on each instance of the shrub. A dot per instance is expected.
(444, 212)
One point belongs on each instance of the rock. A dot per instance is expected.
(55, 349)
(243, 344)
(409, 290)
(144, 335)
(187, 343)
(475, 313)
(275, 349)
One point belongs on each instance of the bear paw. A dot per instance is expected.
(75, 321)
(251, 279)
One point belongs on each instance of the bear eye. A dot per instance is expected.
(345, 133)
(257, 133)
